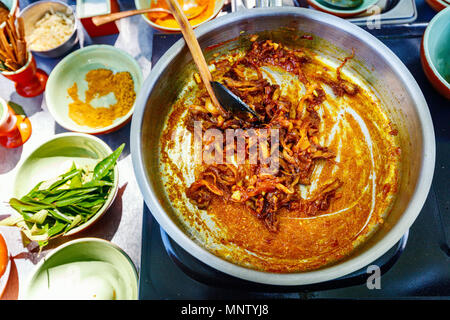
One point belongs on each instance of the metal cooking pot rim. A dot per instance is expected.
(339, 269)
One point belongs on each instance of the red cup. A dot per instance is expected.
(103, 30)
(15, 129)
(29, 81)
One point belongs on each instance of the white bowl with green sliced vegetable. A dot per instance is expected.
(64, 186)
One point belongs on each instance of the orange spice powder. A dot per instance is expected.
(100, 83)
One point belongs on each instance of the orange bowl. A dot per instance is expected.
(143, 4)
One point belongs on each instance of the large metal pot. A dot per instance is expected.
(387, 75)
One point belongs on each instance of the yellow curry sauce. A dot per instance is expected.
(362, 155)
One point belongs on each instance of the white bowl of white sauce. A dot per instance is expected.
(84, 269)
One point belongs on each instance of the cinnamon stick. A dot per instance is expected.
(12, 26)
(22, 44)
(22, 52)
(5, 44)
(12, 65)
(13, 47)
(12, 41)
(2, 55)
(21, 28)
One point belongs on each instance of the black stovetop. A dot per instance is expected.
(419, 266)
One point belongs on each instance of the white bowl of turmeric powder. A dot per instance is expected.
(93, 90)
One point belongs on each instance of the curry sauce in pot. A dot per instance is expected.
(313, 177)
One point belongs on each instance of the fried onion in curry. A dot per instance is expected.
(337, 162)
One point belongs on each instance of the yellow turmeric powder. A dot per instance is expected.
(100, 83)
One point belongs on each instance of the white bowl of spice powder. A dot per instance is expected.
(94, 89)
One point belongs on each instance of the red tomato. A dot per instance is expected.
(3, 256)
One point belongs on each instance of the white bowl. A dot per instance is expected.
(54, 155)
(97, 284)
(74, 68)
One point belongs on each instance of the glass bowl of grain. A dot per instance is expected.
(50, 28)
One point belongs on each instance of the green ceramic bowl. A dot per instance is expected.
(84, 269)
(342, 13)
(435, 52)
(55, 156)
(73, 68)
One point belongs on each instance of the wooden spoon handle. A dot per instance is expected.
(106, 18)
(196, 51)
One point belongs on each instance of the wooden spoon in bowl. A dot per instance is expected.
(191, 12)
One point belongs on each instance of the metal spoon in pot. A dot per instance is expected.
(222, 98)
(190, 11)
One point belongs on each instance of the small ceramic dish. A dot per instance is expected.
(143, 4)
(35, 11)
(55, 157)
(343, 13)
(13, 6)
(73, 69)
(84, 269)
(435, 52)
